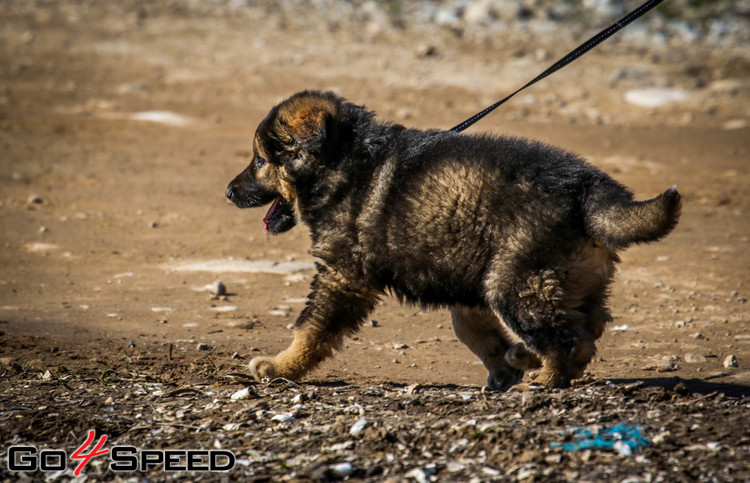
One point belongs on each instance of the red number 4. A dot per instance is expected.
(85, 458)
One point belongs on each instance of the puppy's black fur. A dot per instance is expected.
(519, 239)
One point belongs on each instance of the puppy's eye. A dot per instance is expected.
(260, 162)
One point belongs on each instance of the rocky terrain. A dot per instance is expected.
(121, 124)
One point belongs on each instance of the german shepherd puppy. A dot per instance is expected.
(517, 238)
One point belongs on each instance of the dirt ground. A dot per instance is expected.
(121, 124)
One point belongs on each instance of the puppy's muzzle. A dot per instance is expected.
(230, 193)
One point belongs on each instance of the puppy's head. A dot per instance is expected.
(288, 147)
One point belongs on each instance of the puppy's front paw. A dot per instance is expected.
(263, 368)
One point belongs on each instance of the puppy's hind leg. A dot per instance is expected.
(483, 334)
(336, 308)
(531, 305)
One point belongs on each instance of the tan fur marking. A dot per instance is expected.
(306, 351)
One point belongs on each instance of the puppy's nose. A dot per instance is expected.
(229, 192)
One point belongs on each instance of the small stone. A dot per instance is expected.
(731, 361)
(240, 395)
(203, 347)
(553, 459)
(35, 200)
(426, 51)
(217, 288)
(399, 345)
(661, 438)
(284, 418)
(341, 470)
(358, 426)
(417, 474)
(694, 358)
(374, 323)
(623, 449)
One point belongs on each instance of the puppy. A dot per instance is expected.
(518, 239)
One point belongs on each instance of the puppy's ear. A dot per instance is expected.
(306, 122)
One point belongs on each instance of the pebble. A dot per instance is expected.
(694, 358)
(731, 361)
(417, 474)
(217, 288)
(341, 446)
(240, 395)
(358, 426)
(399, 345)
(284, 418)
(342, 470)
(203, 347)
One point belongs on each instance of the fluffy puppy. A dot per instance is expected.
(517, 238)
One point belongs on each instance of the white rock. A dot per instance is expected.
(694, 358)
(731, 361)
(342, 469)
(358, 426)
(241, 394)
(417, 474)
(217, 288)
(481, 11)
(341, 446)
(654, 96)
(284, 418)
(623, 449)
(493, 472)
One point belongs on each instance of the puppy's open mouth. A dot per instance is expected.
(273, 213)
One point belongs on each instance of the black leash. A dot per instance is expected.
(579, 51)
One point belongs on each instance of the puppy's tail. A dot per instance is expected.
(618, 221)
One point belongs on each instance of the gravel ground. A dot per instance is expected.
(121, 124)
(385, 432)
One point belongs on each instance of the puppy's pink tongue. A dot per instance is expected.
(270, 211)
